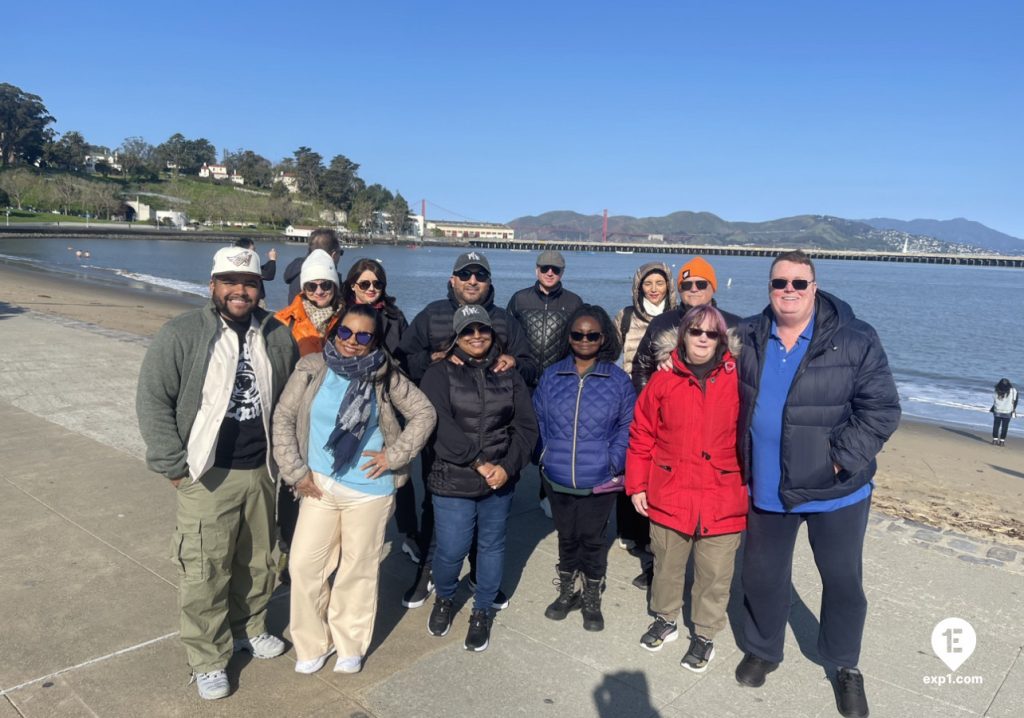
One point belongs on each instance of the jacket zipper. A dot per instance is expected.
(575, 427)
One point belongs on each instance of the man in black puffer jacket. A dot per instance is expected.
(817, 402)
(543, 310)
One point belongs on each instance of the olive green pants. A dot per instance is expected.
(222, 547)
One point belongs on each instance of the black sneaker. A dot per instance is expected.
(851, 700)
(699, 655)
(643, 581)
(752, 670)
(500, 602)
(440, 621)
(479, 634)
(658, 634)
(421, 590)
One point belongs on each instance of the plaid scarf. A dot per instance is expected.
(356, 405)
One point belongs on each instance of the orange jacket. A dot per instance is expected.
(304, 332)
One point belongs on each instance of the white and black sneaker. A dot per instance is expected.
(500, 601)
(479, 635)
(421, 590)
(440, 621)
(699, 655)
(658, 634)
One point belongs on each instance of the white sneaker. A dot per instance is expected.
(313, 664)
(545, 506)
(353, 664)
(626, 544)
(261, 646)
(212, 685)
(410, 549)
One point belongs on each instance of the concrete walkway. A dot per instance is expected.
(89, 595)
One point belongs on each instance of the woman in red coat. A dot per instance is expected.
(682, 472)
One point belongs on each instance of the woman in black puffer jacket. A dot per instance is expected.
(485, 433)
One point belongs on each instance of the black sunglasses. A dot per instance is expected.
(362, 338)
(482, 275)
(709, 333)
(798, 284)
(585, 336)
(323, 286)
(367, 283)
(481, 329)
(544, 269)
(701, 284)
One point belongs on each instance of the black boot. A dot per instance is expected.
(568, 597)
(592, 618)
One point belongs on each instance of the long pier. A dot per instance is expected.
(980, 260)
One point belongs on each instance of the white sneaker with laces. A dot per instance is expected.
(261, 646)
(352, 664)
(313, 664)
(212, 685)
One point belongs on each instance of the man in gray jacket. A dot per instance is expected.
(207, 390)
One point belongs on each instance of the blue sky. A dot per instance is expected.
(750, 110)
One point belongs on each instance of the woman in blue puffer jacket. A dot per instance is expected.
(584, 406)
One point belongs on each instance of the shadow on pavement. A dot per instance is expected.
(9, 310)
(623, 695)
(968, 434)
(1008, 472)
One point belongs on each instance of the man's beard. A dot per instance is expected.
(222, 309)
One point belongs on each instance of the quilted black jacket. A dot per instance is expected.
(543, 317)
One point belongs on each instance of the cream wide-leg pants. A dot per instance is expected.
(347, 534)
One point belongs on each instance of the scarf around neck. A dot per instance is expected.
(356, 406)
(320, 316)
(654, 310)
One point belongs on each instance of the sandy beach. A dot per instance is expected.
(950, 477)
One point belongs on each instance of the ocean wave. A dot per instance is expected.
(178, 285)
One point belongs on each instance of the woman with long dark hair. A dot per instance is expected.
(1004, 407)
(584, 406)
(367, 283)
(339, 443)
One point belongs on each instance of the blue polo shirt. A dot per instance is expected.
(780, 367)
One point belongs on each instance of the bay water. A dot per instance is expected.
(951, 332)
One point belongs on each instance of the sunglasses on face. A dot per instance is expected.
(545, 269)
(585, 336)
(367, 283)
(481, 329)
(798, 284)
(362, 338)
(322, 286)
(482, 275)
(701, 284)
(709, 333)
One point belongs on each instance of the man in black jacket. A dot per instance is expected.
(323, 238)
(697, 285)
(817, 402)
(427, 340)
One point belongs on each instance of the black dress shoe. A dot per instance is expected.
(643, 581)
(850, 697)
(752, 670)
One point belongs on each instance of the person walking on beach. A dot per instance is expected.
(429, 340)
(543, 311)
(817, 403)
(207, 389)
(584, 405)
(321, 238)
(339, 443)
(1004, 407)
(683, 473)
(486, 430)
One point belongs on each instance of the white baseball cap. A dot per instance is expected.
(236, 260)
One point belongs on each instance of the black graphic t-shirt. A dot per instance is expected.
(242, 442)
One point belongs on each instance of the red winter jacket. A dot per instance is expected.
(682, 450)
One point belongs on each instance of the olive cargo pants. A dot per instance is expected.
(222, 547)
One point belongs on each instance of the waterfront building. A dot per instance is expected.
(470, 230)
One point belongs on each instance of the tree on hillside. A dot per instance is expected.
(341, 183)
(137, 159)
(66, 191)
(309, 170)
(66, 153)
(18, 183)
(254, 169)
(361, 213)
(398, 211)
(23, 126)
(379, 195)
(185, 155)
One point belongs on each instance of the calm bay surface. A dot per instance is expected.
(950, 331)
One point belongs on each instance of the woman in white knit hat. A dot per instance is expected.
(313, 313)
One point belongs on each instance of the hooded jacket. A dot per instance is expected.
(584, 423)
(841, 408)
(682, 450)
(639, 318)
(308, 339)
(431, 331)
(543, 317)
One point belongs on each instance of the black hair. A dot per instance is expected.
(610, 348)
(349, 296)
(796, 256)
(1003, 387)
(391, 365)
(245, 243)
(326, 239)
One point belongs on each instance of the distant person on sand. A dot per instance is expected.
(1004, 406)
(207, 389)
(817, 402)
(322, 238)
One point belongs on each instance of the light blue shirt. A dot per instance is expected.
(322, 418)
(780, 368)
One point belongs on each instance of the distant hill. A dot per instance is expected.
(959, 230)
(819, 231)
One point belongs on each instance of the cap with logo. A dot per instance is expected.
(698, 267)
(236, 260)
(469, 314)
(468, 259)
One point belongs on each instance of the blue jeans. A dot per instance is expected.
(454, 521)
